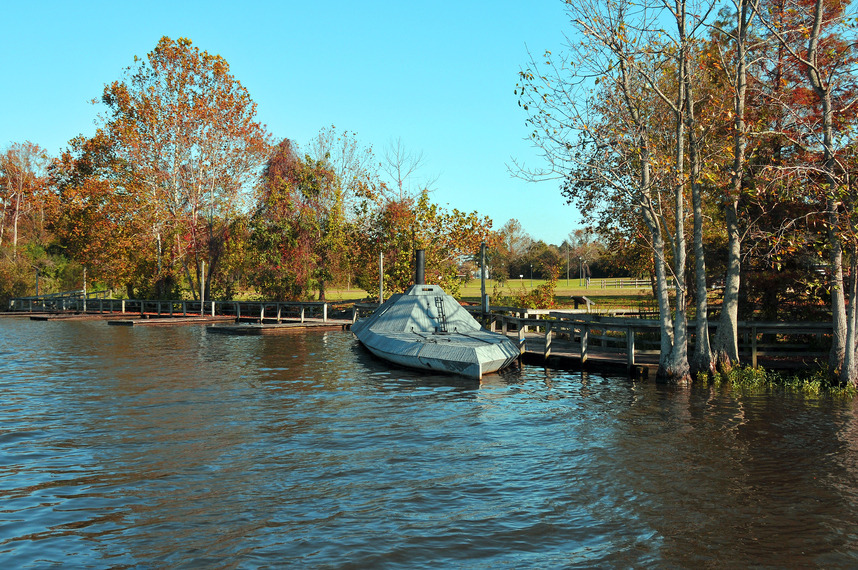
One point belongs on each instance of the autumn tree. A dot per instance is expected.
(23, 236)
(297, 230)
(353, 164)
(581, 249)
(23, 169)
(819, 45)
(187, 128)
(732, 42)
(610, 142)
(403, 167)
(393, 229)
(512, 245)
(99, 215)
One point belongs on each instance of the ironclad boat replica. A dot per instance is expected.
(428, 329)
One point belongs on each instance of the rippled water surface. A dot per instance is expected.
(170, 447)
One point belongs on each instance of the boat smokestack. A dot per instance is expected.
(420, 267)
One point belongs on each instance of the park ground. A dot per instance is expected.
(604, 293)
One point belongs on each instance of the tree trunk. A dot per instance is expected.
(16, 215)
(677, 369)
(823, 92)
(849, 372)
(727, 338)
(661, 291)
(701, 360)
(726, 345)
(3, 221)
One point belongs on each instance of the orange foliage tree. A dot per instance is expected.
(99, 215)
(296, 230)
(187, 131)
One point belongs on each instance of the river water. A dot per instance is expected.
(168, 447)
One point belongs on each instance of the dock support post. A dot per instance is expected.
(302, 313)
(548, 335)
(184, 308)
(325, 312)
(213, 308)
(279, 312)
(630, 346)
(521, 343)
(753, 346)
(585, 333)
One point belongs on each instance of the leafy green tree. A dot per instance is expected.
(394, 229)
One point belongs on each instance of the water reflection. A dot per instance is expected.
(169, 447)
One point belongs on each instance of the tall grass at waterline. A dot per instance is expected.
(749, 380)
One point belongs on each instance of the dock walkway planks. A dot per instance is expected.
(256, 329)
(168, 321)
(73, 317)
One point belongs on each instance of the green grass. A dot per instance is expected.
(603, 298)
(758, 380)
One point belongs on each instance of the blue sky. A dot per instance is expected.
(439, 76)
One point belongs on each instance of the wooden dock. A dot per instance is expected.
(167, 321)
(591, 342)
(573, 339)
(259, 329)
(72, 317)
(562, 354)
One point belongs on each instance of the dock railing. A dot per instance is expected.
(98, 303)
(633, 339)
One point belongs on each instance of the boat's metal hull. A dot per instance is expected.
(471, 356)
(427, 329)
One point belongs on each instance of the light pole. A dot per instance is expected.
(567, 264)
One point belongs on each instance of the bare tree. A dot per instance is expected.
(353, 164)
(401, 166)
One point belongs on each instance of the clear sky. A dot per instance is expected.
(438, 75)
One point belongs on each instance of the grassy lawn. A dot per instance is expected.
(604, 298)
